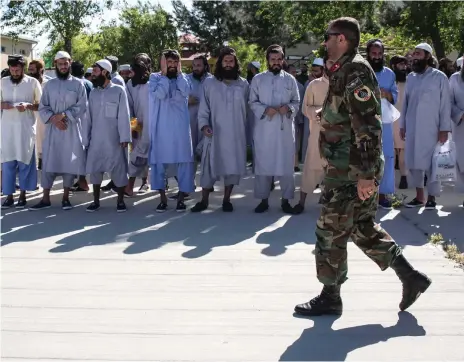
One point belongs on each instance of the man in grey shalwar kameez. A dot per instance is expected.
(457, 116)
(108, 134)
(274, 100)
(425, 120)
(222, 118)
(62, 108)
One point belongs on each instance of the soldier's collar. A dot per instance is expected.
(342, 60)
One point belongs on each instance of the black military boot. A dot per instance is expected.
(414, 282)
(328, 302)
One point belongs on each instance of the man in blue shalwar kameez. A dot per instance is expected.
(170, 135)
(387, 83)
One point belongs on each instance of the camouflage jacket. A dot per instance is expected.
(351, 129)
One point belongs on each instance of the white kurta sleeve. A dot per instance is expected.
(456, 112)
(445, 106)
(37, 92)
(124, 127)
(77, 111)
(204, 110)
(45, 109)
(294, 104)
(256, 106)
(159, 86)
(183, 86)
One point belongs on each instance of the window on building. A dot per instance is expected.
(22, 52)
(3, 50)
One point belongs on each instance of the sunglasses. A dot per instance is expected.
(327, 35)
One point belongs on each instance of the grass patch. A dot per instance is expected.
(397, 200)
(451, 249)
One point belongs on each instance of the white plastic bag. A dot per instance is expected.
(444, 162)
(389, 113)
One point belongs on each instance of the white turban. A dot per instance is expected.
(62, 54)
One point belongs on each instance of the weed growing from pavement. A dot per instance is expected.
(451, 249)
(397, 201)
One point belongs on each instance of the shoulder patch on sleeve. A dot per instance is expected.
(354, 84)
(363, 93)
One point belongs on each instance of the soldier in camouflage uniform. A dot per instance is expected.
(351, 142)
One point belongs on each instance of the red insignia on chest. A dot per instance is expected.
(335, 67)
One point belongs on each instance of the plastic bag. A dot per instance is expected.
(444, 162)
(389, 113)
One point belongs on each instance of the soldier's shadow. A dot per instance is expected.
(322, 343)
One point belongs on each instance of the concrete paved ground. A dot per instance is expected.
(143, 286)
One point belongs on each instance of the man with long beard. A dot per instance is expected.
(169, 121)
(222, 118)
(399, 66)
(425, 120)
(108, 134)
(388, 90)
(62, 109)
(36, 70)
(20, 98)
(351, 142)
(137, 89)
(274, 100)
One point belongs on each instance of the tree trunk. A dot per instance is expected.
(437, 43)
(68, 45)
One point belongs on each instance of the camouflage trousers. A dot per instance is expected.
(343, 216)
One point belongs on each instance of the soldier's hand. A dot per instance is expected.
(270, 112)
(366, 189)
(403, 133)
(319, 115)
(163, 66)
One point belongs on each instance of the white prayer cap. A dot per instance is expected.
(124, 67)
(319, 62)
(256, 64)
(89, 70)
(459, 62)
(62, 54)
(105, 64)
(425, 46)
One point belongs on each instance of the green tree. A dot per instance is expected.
(85, 48)
(247, 53)
(210, 21)
(145, 28)
(440, 22)
(60, 19)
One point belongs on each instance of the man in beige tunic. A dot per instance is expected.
(313, 172)
(399, 66)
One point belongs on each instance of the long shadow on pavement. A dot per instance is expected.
(322, 343)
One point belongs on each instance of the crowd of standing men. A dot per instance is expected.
(176, 117)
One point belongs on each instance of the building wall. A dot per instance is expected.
(10, 47)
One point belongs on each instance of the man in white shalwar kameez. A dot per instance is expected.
(457, 116)
(108, 134)
(20, 96)
(170, 136)
(274, 100)
(222, 118)
(425, 120)
(62, 108)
